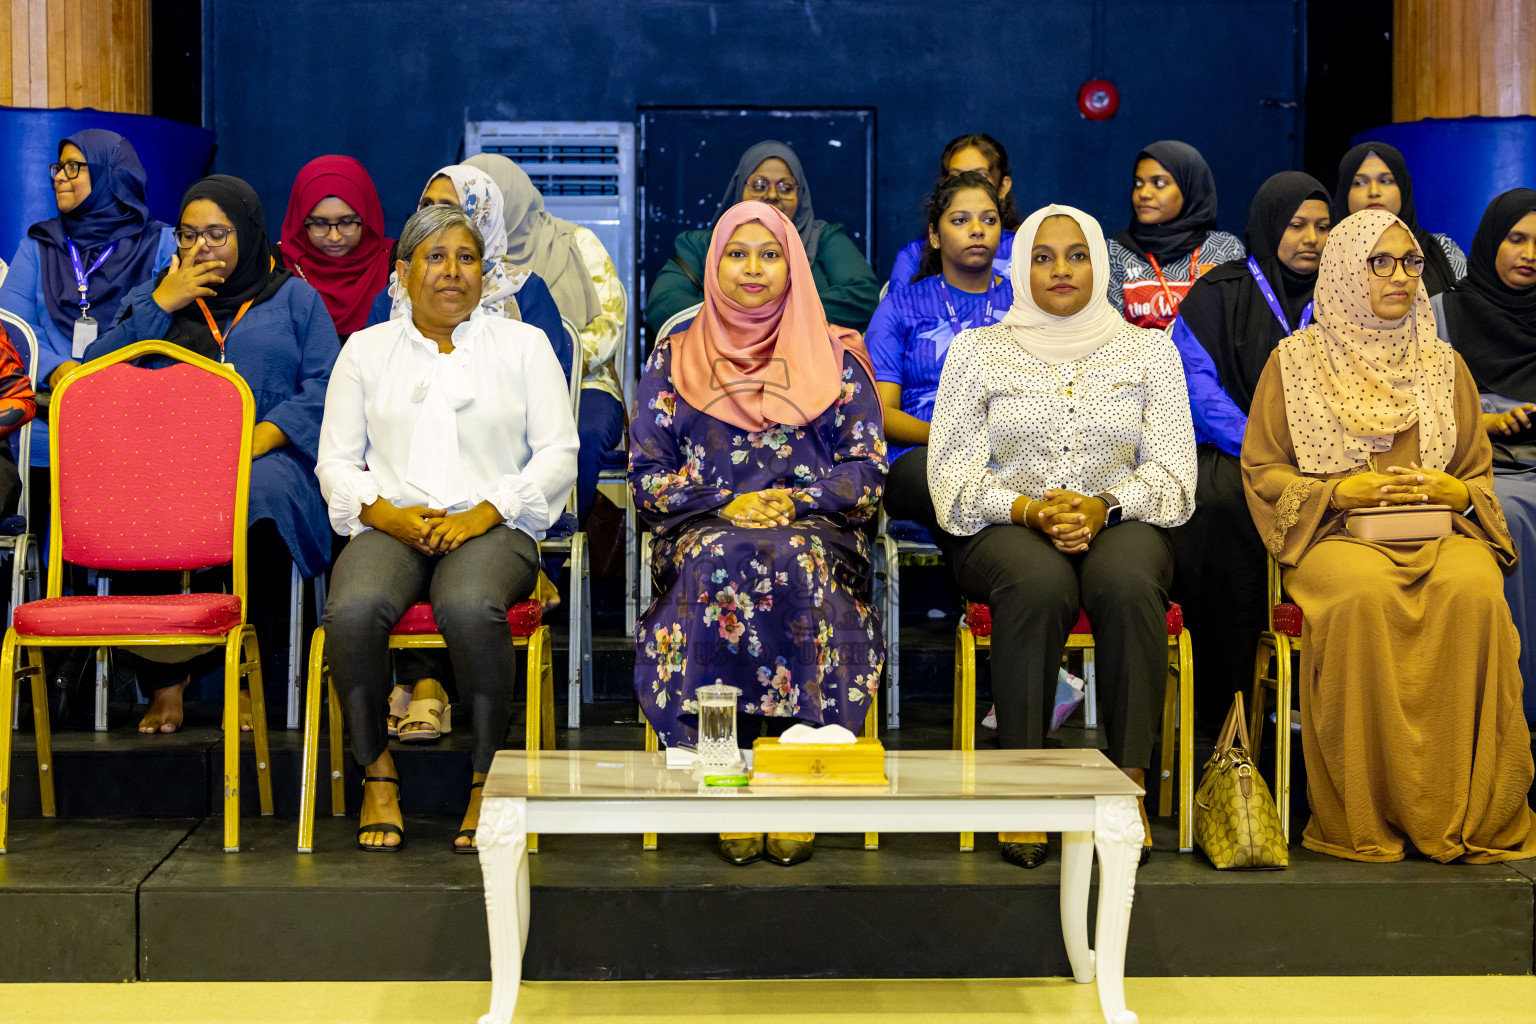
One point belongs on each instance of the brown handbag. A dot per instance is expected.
(1236, 822)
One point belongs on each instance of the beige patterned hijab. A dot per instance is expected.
(1354, 381)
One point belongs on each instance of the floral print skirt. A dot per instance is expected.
(782, 612)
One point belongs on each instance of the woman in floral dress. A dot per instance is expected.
(756, 456)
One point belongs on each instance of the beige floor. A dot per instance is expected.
(1182, 1000)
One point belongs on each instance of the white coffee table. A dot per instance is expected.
(1077, 793)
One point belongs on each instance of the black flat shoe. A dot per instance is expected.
(789, 852)
(467, 833)
(1025, 855)
(386, 827)
(1146, 855)
(741, 851)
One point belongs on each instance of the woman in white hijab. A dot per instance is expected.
(1061, 450)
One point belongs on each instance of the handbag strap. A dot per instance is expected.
(1235, 727)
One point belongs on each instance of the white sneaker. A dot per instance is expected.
(990, 722)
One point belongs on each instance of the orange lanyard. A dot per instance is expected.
(213, 324)
(1194, 275)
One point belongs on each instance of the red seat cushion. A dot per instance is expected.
(195, 614)
(523, 618)
(1288, 619)
(979, 617)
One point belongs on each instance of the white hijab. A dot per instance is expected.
(1061, 339)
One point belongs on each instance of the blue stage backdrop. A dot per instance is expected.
(174, 156)
(392, 82)
(1459, 164)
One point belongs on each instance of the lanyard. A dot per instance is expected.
(81, 273)
(213, 325)
(1274, 303)
(954, 317)
(1194, 275)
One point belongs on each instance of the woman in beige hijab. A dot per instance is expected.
(1411, 715)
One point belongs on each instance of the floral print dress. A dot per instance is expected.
(782, 612)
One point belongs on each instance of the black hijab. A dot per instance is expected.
(1438, 275)
(1180, 236)
(114, 211)
(1492, 325)
(1226, 310)
(805, 217)
(257, 275)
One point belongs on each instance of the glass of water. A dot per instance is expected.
(717, 726)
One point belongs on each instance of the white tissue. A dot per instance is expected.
(803, 733)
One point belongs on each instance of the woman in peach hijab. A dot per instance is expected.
(755, 456)
(1411, 717)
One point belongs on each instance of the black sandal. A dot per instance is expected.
(387, 828)
(467, 833)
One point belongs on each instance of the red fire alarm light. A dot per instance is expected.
(1098, 99)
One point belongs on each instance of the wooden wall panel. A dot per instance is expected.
(1459, 58)
(75, 53)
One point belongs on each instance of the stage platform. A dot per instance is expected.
(131, 883)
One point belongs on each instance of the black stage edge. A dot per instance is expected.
(148, 893)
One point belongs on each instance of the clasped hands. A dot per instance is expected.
(1069, 519)
(771, 507)
(431, 531)
(1410, 485)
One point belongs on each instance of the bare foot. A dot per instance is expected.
(165, 709)
(422, 689)
(472, 815)
(381, 804)
(245, 710)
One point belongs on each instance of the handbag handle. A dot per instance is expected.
(1235, 727)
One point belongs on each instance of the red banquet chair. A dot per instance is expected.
(975, 630)
(418, 628)
(1277, 644)
(151, 471)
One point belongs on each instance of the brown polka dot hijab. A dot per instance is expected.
(1354, 381)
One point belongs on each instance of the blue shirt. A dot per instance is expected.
(911, 333)
(1217, 418)
(911, 255)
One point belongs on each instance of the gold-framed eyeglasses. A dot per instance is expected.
(1383, 264)
(344, 226)
(215, 236)
(762, 186)
(71, 169)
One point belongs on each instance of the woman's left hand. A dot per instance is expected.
(1438, 488)
(448, 532)
(266, 437)
(1506, 424)
(1072, 520)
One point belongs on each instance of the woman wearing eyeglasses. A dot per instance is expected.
(228, 297)
(1411, 717)
(770, 173)
(333, 237)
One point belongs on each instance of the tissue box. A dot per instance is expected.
(861, 763)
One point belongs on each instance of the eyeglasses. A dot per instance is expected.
(762, 186)
(71, 169)
(345, 226)
(214, 236)
(1383, 265)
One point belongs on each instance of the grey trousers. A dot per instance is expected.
(377, 578)
(1035, 592)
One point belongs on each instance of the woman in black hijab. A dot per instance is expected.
(1374, 176)
(227, 296)
(1172, 238)
(1228, 325)
(1490, 318)
(770, 172)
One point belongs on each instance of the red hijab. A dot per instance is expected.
(780, 363)
(347, 284)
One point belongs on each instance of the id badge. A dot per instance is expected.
(85, 333)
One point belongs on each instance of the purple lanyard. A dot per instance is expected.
(81, 273)
(1274, 303)
(954, 318)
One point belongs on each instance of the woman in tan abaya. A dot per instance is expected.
(1411, 716)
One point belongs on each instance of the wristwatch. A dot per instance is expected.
(1111, 508)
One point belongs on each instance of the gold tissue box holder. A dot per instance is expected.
(860, 763)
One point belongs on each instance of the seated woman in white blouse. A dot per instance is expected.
(446, 451)
(1061, 449)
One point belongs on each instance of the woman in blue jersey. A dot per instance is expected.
(956, 289)
(976, 151)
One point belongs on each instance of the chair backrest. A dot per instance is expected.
(679, 321)
(151, 467)
(19, 327)
(885, 290)
(578, 361)
(566, 347)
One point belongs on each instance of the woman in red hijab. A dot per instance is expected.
(333, 237)
(756, 454)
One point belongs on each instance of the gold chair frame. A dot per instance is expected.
(1277, 647)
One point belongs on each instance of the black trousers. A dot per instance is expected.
(377, 578)
(907, 497)
(1220, 579)
(1035, 592)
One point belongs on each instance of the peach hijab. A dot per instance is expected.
(1352, 380)
(779, 364)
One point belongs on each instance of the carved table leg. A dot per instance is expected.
(1118, 837)
(502, 837)
(1076, 867)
